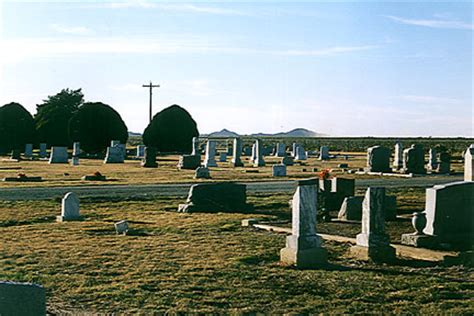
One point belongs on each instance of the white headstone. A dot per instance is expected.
(254, 153)
(279, 170)
(303, 246)
(468, 164)
(69, 208)
(259, 161)
(237, 151)
(432, 159)
(210, 158)
(58, 155)
(121, 227)
(293, 149)
(195, 151)
(398, 160)
(140, 151)
(76, 149)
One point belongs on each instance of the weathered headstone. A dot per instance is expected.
(58, 155)
(300, 153)
(202, 173)
(121, 227)
(449, 212)
(190, 162)
(259, 161)
(114, 154)
(140, 151)
(280, 150)
(16, 154)
(303, 246)
(287, 161)
(414, 160)
(42, 150)
(398, 158)
(324, 153)
(373, 243)
(25, 299)
(149, 159)
(279, 171)
(254, 153)
(236, 152)
(28, 150)
(378, 159)
(444, 165)
(76, 149)
(469, 164)
(351, 208)
(222, 157)
(69, 208)
(216, 197)
(210, 158)
(293, 149)
(432, 159)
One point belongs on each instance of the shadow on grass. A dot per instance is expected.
(39, 220)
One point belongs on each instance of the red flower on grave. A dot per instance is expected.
(324, 174)
(21, 175)
(97, 174)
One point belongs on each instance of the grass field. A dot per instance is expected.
(132, 173)
(208, 263)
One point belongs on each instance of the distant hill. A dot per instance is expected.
(134, 134)
(297, 132)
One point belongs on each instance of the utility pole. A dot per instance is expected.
(151, 86)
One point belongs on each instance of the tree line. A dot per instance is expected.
(65, 117)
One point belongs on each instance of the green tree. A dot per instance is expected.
(17, 127)
(171, 130)
(53, 115)
(95, 125)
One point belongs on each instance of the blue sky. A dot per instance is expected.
(341, 68)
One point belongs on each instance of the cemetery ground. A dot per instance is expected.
(208, 262)
(131, 172)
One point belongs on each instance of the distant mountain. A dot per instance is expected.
(134, 134)
(223, 133)
(297, 132)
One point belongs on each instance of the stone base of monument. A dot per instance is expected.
(304, 259)
(417, 240)
(68, 219)
(94, 178)
(385, 254)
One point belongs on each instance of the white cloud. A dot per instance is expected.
(433, 23)
(74, 30)
(430, 99)
(327, 51)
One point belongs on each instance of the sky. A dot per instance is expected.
(343, 68)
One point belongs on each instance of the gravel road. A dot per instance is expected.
(181, 190)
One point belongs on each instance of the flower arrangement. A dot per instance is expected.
(325, 174)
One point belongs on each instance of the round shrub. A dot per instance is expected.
(95, 125)
(17, 127)
(171, 130)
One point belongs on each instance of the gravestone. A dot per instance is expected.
(432, 160)
(216, 197)
(373, 243)
(444, 165)
(222, 157)
(42, 150)
(247, 151)
(58, 155)
(287, 161)
(293, 149)
(351, 208)
(114, 143)
(75, 161)
(140, 151)
(115, 154)
(29, 150)
(254, 153)
(25, 299)
(229, 150)
(303, 246)
(69, 208)
(121, 227)
(237, 150)
(202, 173)
(149, 159)
(280, 150)
(378, 159)
(324, 153)
(449, 212)
(279, 171)
(76, 149)
(189, 162)
(398, 159)
(300, 153)
(468, 164)
(16, 154)
(414, 160)
(259, 161)
(196, 151)
(210, 158)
